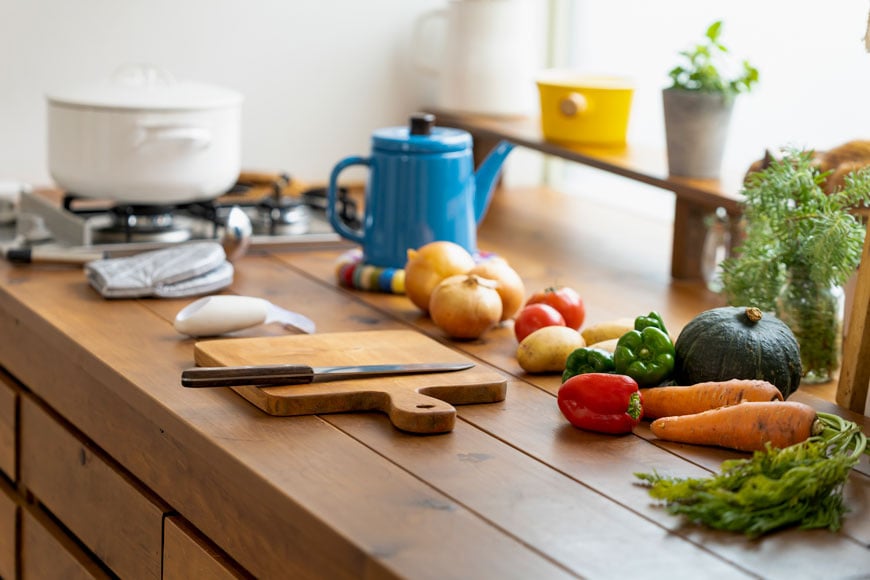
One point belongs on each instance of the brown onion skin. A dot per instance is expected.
(428, 265)
(510, 286)
(465, 306)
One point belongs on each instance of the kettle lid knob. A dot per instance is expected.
(422, 123)
(421, 135)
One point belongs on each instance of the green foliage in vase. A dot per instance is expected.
(790, 225)
(799, 243)
(704, 66)
(812, 311)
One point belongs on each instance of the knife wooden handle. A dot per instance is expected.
(257, 376)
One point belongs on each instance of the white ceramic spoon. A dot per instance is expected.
(219, 314)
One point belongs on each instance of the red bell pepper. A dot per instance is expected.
(603, 402)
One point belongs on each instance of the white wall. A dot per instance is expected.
(815, 73)
(814, 88)
(318, 75)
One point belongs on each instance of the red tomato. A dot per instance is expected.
(536, 316)
(566, 300)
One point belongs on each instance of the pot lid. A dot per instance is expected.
(575, 80)
(421, 136)
(145, 87)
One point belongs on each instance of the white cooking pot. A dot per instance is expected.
(140, 137)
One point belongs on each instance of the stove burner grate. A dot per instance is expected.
(131, 223)
(281, 217)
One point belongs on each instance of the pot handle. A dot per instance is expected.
(338, 224)
(573, 105)
(198, 137)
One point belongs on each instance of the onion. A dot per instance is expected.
(510, 286)
(465, 306)
(429, 265)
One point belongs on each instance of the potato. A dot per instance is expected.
(607, 330)
(547, 349)
(608, 345)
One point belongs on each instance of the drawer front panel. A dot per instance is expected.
(8, 403)
(8, 531)
(47, 553)
(187, 555)
(116, 519)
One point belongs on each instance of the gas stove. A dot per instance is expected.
(282, 216)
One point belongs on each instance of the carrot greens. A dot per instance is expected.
(800, 485)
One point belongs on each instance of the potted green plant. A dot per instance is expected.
(800, 246)
(698, 105)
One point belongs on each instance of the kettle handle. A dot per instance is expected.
(340, 226)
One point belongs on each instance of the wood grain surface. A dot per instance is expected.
(420, 403)
(110, 512)
(512, 491)
(852, 388)
(187, 556)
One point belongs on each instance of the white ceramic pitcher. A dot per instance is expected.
(487, 56)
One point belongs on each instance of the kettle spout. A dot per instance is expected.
(486, 176)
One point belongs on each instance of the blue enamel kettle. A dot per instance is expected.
(422, 188)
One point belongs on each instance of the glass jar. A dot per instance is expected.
(814, 312)
(717, 244)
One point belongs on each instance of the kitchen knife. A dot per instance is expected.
(52, 256)
(289, 374)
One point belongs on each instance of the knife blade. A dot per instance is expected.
(293, 374)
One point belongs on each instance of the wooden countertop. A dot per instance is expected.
(512, 492)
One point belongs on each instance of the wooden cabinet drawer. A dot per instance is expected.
(186, 554)
(116, 518)
(8, 404)
(8, 530)
(47, 553)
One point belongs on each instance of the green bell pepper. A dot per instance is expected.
(646, 355)
(653, 319)
(587, 360)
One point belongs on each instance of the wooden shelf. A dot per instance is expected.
(695, 198)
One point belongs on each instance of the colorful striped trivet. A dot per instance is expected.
(351, 272)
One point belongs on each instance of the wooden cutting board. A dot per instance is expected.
(414, 403)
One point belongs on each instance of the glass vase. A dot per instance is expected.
(716, 248)
(814, 312)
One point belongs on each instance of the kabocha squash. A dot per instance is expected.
(735, 342)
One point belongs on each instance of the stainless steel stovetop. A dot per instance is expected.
(47, 219)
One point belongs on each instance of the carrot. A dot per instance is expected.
(746, 426)
(671, 401)
(797, 485)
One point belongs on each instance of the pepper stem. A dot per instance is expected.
(634, 409)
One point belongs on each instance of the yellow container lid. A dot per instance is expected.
(575, 80)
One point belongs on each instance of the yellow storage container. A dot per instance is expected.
(584, 109)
